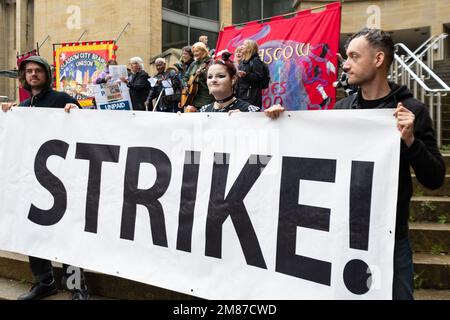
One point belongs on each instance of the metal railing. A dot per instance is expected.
(434, 43)
(412, 71)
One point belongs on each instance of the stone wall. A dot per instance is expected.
(66, 20)
(394, 14)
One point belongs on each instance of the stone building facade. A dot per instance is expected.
(152, 26)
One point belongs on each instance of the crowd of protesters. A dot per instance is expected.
(165, 93)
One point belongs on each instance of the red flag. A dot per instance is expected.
(300, 53)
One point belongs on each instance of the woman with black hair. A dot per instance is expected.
(221, 80)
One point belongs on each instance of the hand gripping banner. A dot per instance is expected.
(300, 53)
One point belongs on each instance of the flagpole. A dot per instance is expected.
(123, 30)
(82, 35)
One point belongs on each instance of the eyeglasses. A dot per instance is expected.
(37, 71)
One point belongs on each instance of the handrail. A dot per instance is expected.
(433, 39)
(424, 44)
(438, 38)
(419, 80)
(424, 66)
(403, 71)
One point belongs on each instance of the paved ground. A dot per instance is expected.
(11, 289)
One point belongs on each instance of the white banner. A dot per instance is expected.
(211, 205)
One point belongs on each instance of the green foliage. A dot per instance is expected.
(442, 219)
(445, 147)
(428, 207)
(437, 249)
(412, 217)
(418, 281)
(418, 193)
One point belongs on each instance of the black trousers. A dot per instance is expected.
(43, 271)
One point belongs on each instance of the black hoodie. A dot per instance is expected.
(423, 155)
(47, 97)
(249, 87)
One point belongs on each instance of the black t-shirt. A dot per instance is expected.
(371, 104)
(237, 104)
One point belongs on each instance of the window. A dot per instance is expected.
(176, 5)
(174, 36)
(276, 7)
(208, 9)
(186, 20)
(212, 37)
(246, 10)
(249, 10)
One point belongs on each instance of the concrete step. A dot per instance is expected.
(421, 191)
(430, 209)
(445, 155)
(432, 294)
(432, 271)
(446, 123)
(11, 289)
(429, 237)
(445, 132)
(15, 266)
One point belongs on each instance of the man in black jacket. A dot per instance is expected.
(167, 80)
(35, 77)
(138, 84)
(370, 53)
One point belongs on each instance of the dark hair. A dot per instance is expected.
(22, 74)
(378, 39)
(225, 61)
(111, 62)
(188, 49)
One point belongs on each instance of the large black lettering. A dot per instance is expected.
(50, 182)
(357, 274)
(146, 197)
(187, 203)
(220, 208)
(96, 154)
(360, 203)
(292, 214)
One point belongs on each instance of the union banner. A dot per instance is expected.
(300, 53)
(78, 65)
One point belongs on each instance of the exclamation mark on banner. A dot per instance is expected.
(357, 274)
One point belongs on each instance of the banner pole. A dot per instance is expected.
(84, 32)
(157, 101)
(120, 35)
(40, 46)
